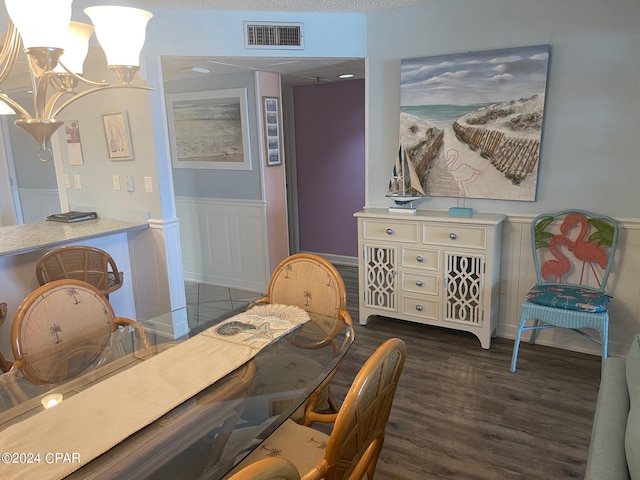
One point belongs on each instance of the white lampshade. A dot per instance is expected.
(120, 31)
(76, 47)
(41, 23)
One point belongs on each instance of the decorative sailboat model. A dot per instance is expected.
(404, 186)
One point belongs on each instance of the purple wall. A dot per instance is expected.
(329, 122)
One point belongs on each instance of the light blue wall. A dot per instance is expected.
(31, 172)
(97, 192)
(589, 152)
(220, 34)
(589, 155)
(233, 184)
(180, 32)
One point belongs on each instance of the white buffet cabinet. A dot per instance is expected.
(431, 268)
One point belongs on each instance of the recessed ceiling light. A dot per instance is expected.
(201, 69)
(346, 75)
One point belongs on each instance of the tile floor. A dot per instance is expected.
(211, 302)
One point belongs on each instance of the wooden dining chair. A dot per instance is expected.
(80, 262)
(353, 448)
(62, 328)
(269, 469)
(311, 282)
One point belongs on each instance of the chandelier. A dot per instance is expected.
(56, 48)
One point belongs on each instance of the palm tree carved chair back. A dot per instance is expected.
(311, 282)
(62, 329)
(573, 255)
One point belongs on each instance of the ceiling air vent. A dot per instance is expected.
(273, 35)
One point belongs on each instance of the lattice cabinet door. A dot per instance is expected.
(380, 277)
(464, 287)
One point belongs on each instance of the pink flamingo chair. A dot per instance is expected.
(573, 253)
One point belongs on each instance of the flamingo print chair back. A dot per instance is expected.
(61, 329)
(573, 254)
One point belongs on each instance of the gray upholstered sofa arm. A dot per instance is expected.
(607, 460)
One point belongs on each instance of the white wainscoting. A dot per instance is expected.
(224, 242)
(38, 203)
(518, 275)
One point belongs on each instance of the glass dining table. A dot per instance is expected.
(203, 436)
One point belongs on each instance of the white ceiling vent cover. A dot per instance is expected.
(273, 35)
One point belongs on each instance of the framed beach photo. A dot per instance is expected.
(271, 110)
(209, 129)
(118, 135)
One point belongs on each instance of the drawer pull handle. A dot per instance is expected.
(453, 236)
(420, 259)
(389, 231)
(419, 308)
(419, 283)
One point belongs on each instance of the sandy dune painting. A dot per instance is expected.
(472, 122)
(209, 129)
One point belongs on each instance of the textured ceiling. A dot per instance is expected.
(342, 6)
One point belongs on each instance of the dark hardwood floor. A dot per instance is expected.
(459, 413)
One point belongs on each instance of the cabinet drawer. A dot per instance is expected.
(455, 235)
(390, 231)
(425, 307)
(417, 283)
(421, 258)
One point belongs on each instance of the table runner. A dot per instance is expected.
(94, 420)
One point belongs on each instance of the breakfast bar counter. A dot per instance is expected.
(18, 239)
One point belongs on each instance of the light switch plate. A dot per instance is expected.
(76, 182)
(116, 182)
(148, 185)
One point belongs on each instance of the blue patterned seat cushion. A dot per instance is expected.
(569, 297)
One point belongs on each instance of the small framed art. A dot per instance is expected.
(271, 108)
(118, 135)
(74, 147)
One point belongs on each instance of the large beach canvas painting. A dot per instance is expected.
(209, 129)
(472, 122)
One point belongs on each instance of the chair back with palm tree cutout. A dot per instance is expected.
(63, 328)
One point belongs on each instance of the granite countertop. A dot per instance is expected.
(17, 239)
